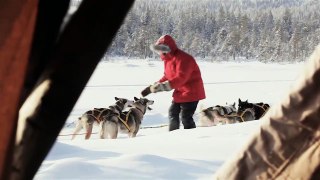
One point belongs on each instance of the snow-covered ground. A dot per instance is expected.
(156, 153)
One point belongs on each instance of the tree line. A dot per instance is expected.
(264, 30)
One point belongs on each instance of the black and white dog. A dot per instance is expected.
(259, 108)
(128, 122)
(97, 115)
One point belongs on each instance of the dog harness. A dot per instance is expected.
(97, 117)
(264, 107)
(236, 115)
(125, 122)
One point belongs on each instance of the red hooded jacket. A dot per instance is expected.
(182, 72)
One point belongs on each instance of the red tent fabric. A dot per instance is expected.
(16, 30)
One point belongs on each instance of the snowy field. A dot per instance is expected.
(156, 153)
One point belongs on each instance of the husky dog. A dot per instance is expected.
(97, 115)
(212, 116)
(259, 108)
(128, 122)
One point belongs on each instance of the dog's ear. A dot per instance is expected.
(247, 101)
(239, 100)
(116, 98)
(234, 104)
(136, 99)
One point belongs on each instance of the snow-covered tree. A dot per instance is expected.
(265, 29)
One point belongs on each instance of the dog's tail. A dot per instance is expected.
(77, 128)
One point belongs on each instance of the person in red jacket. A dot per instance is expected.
(181, 73)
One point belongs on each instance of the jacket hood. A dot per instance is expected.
(169, 41)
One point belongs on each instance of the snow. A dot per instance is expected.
(157, 153)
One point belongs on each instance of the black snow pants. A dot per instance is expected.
(183, 112)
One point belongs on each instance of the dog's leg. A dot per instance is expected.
(113, 131)
(113, 136)
(217, 118)
(131, 134)
(134, 131)
(112, 127)
(88, 130)
(134, 134)
(102, 129)
(77, 129)
(229, 121)
(87, 122)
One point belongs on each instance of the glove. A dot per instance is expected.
(146, 91)
(158, 87)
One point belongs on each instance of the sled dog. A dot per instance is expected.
(259, 108)
(214, 115)
(97, 115)
(127, 122)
